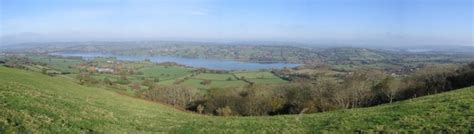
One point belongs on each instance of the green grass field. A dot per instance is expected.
(221, 80)
(103, 76)
(61, 64)
(260, 77)
(196, 83)
(166, 73)
(210, 76)
(217, 81)
(34, 103)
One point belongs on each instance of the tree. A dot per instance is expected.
(464, 77)
(173, 95)
(360, 83)
(431, 80)
(200, 109)
(298, 98)
(387, 89)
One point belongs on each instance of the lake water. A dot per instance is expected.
(204, 63)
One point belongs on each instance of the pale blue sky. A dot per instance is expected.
(384, 22)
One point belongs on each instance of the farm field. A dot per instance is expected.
(60, 64)
(225, 80)
(36, 103)
(236, 66)
(166, 73)
(214, 83)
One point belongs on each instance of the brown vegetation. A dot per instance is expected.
(358, 89)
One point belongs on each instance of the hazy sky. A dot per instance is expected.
(386, 22)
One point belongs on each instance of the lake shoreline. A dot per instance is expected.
(217, 64)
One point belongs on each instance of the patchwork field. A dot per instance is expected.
(161, 74)
(34, 103)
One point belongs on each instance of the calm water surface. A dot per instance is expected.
(205, 63)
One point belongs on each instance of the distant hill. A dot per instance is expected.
(266, 53)
(34, 103)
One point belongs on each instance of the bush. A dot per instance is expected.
(225, 111)
(148, 83)
(107, 81)
(122, 81)
(85, 78)
(206, 82)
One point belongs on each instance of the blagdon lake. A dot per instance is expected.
(193, 62)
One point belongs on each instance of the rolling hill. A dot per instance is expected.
(32, 102)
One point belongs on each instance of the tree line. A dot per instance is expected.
(361, 88)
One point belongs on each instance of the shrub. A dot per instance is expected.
(107, 81)
(148, 83)
(85, 78)
(206, 82)
(225, 111)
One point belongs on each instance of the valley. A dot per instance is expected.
(236, 66)
(32, 102)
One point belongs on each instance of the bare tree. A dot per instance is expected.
(388, 88)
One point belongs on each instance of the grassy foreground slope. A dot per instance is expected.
(32, 102)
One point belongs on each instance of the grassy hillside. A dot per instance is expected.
(61, 64)
(32, 102)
